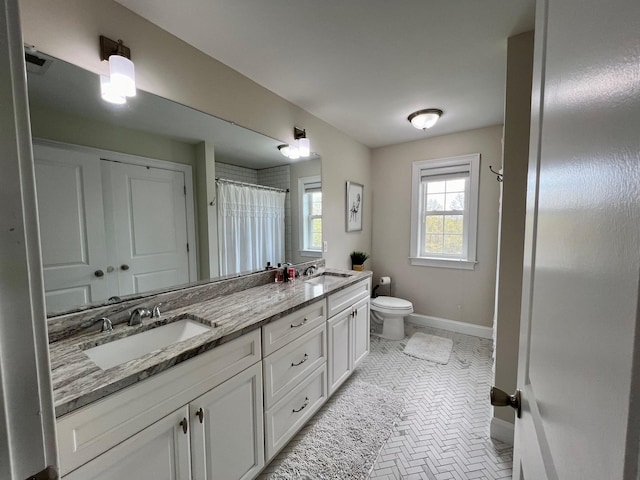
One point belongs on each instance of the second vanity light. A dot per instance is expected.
(121, 82)
(300, 148)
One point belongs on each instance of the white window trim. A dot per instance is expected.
(304, 252)
(472, 163)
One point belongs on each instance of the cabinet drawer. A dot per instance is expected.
(287, 416)
(289, 365)
(92, 430)
(347, 297)
(277, 334)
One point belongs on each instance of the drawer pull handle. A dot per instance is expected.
(185, 425)
(304, 359)
(200, 414)
(306, 402)
(300, 324)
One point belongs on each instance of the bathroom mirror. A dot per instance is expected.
(84, 147)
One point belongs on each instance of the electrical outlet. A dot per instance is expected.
(325, 246)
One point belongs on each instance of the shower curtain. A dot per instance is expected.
(250, 227)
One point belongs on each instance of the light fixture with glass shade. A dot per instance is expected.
(300, 148)
(423, 119)
(121, 82)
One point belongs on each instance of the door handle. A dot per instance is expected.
(99, 273)
(124, 267)
(500, 398)
(185, 425)
(200, 415)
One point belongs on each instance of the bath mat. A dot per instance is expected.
(344, 442)
(429, 347)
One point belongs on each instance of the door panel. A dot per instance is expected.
(229, 442)
(71, 218)
(580, 286)
(360, 331)
(159, 452)
(148, 221)
(340, 354)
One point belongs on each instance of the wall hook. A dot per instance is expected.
(500, 176)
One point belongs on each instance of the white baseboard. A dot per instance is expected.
(451, 325)
(501, 430)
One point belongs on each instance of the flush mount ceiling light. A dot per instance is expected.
(300, 146)
(121, 82)
(423, 119)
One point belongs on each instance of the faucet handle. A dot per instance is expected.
(155, 312)
(107, 326)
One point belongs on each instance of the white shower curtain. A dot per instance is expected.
(250, 227)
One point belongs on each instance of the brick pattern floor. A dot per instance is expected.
(443, 431)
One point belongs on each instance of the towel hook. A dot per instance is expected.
(500, 176)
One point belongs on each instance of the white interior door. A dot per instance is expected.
(147, 216)
(71, 220)
(582, 248)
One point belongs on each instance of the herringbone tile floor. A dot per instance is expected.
(443, 431)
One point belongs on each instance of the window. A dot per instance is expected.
(444, 212)
(310, 193)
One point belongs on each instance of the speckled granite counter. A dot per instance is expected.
(77, 381)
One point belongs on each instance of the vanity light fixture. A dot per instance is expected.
(121, 82)
(423, 119)
(300, 146)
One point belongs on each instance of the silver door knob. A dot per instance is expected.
(500, 398)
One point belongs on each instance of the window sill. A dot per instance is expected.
(310, 253)
(443, 263)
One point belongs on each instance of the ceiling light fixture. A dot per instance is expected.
(121, 82)
(300, 148)
(423, 119)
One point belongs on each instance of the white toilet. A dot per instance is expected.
(391, 312)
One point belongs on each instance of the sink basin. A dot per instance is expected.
(134, 346)
(326, 279)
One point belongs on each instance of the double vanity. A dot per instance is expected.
(212, 389)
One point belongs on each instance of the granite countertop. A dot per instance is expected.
(77, 381)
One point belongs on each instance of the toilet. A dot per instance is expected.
(391, 312)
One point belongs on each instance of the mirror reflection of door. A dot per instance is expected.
(108, 228)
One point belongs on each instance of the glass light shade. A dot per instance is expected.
(424, 119)
(106, 91)
(304, 147)
(123, 77)
(284, 150)
(294, 151)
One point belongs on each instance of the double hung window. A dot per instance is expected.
(310, 193)
(444, 212)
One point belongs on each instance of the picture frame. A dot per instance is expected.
(353, 212)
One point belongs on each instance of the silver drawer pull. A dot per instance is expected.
(300, 324)
(306, 402)
(304, 359)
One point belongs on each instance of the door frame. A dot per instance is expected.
(186, 170)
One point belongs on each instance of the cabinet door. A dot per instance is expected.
(159, 452)
(340, 349)
(228, 433)
(360, 331)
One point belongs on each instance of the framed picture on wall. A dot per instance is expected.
(354, 206)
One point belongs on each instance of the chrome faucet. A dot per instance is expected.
(137, 315)
(310, 270)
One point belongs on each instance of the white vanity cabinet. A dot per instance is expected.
(110, 438)
(348, 332)
(295, 373)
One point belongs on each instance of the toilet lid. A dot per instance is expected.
(391, 303)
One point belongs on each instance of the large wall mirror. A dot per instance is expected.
(152, 195)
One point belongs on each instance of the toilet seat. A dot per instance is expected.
(392, 305)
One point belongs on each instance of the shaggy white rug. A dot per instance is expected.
(345, 440)
(429, 347)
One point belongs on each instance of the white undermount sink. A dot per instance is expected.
(134, 346)
(325, 279)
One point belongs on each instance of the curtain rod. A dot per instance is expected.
(254, 185)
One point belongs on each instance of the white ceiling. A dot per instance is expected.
(361, 65)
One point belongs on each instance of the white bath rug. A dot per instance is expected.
(429, 347)
(344, 442)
